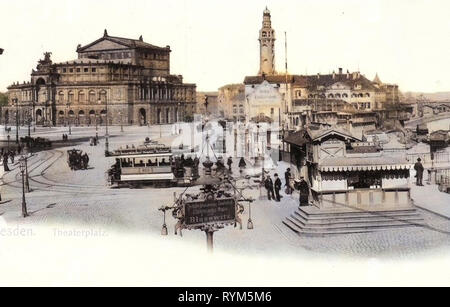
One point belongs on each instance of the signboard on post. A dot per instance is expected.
(213, 211)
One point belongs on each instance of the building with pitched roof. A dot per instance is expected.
(128, 78)
(353, 185)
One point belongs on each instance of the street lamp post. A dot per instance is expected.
(106, 131)
(96, 126)
(34, 116)
(27, 182)
(16, 101)
(68, 118)
(22, 165)
(121, 123)
(29, 124)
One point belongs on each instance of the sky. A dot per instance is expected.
(215, 42)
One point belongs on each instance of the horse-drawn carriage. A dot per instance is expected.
(77, 160)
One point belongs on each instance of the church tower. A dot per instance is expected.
(267, 46)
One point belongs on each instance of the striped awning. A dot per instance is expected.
(347, 168)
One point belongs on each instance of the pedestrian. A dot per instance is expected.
(269, 187)
(303, 188)
(5, 162)
(11, 156)
(242, 163)
(229, 163)
(277, 188)
(418, 167)
(287, 178)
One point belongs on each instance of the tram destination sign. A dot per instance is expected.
(213, 211)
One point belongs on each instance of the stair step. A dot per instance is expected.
(362, 214)
(362, 219)
(354, 225)
(307, 232)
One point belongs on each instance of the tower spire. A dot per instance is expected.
(267, 45)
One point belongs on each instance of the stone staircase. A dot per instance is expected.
(310, 221)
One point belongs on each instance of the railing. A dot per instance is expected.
(364, 199)
(443, 176)
(439, 157)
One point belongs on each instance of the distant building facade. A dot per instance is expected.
(207, 103)
(232, 102)
(128, 78)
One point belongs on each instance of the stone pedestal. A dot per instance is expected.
(432, 176)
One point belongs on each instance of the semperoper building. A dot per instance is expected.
(128, 78)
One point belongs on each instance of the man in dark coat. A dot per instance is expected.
(287, 178)
(5, 162)
(418, 167)
(268, 184)
(242, 163)
(303, 188)
(277, 188)
(229, 163)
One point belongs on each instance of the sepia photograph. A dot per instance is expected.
(208, 144)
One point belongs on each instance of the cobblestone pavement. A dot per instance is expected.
(61, 197)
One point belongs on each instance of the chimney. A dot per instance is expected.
(340, 71)
(334, 75)
(348, 74)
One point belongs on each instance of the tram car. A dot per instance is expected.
(151, 164)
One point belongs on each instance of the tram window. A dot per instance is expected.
(163, 162)
(156, 162)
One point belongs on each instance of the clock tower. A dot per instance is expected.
(267, 46)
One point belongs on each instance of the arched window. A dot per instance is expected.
(367, 95)
(91, 96)
(61, 96)
(344, 95)
(81, 97)
(337, 96)
(330, 96)
(70, 97)
(102, 96)
(361, 95)
(354, 95)
(264, 34)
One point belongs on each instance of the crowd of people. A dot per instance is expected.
(77, 159)
(9, 155)
(273, 187)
